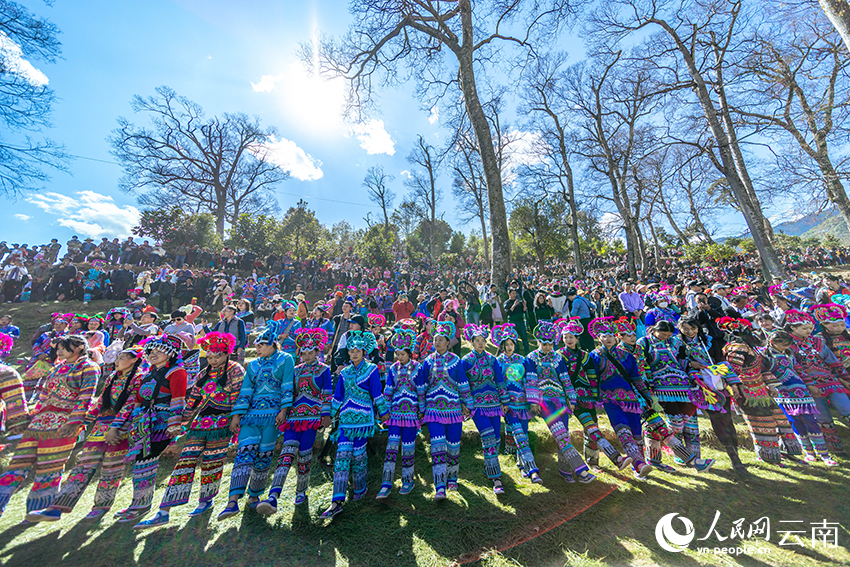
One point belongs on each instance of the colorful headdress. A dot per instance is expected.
(733, 325)
(136, 290)
(602, 326)
(560, 324)
(269, 336)
(501, 333)
(471, 330)
(545, 332)
(286, 304)
(218, 343)
(444, 329)
(829, 313)
(774, 290)
(311, 339)
(625, 326)
(403, 339)
(841, 299)
(135, 351)
(97, 263)
(572, 327)
(409, 324)
(796, 317)
(169, 344)
(376, 319)
(363, 340)
(6, 343)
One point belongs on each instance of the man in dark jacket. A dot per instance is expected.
(63, 281)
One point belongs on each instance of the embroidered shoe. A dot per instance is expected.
(121, 512)
(440, 494)
(662, 467)
(643, 471)
(334, 510)
(358, 496)
(267, 507)
(46, 515)
(830, 463)
(535, 478)
(383, 493)
(451, 485)
(159, 519)
(95, 514)
(624, 463)
(252, 504)
(300, 498)
(567, 476)
(406, 488)
(703, 465)
(497, 487)
(586, 477)
(202, 507)
(134, 515)
(231, 510)
(809, 458)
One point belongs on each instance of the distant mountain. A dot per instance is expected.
(802, 225)
(833, 225)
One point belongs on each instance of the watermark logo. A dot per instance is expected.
(667, 536)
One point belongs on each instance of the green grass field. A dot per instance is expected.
(609, 522)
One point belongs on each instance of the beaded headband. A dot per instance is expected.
(362, 340)
(796, 317)
(403, 339)
(470, 331)
(219, 343)
(311, 339)
(169, 344)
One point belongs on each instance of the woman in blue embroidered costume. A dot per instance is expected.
(405, 420)
(489, 399)
(444, 401)
(583, 377)
(671, 385)
(287, 327)
(711, 393)
(305, 409)
(513, 367)
(154, 419)
(551, 396)
(254, 417)
(794, 397)
(207, 416)
(356, 398)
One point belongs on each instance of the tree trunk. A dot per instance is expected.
(771, 265)
(501, 242)
(220, 212)
(484, 234)
(834, 188)
(838, 12)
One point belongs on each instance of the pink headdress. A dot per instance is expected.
(470, 331)
(573, 327)
(501, 333)
(795, 317)
(311, 339)
(829, 313)
(219, 343)
(376, 319)
(6, 343)
(602, 326)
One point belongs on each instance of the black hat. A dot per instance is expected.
(359, 320)
(572, 291)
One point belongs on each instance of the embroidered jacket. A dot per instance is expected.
(486, 383)
(167, 407)
(667, 380)
(515, 371)
(209, 404)
(582, 373)
(13, 402)
(817, 365)
(424, 346)
(65, 397)
(262, 388)
(442, 387)
(779, 371)
(630, 393)
(356, 397)
(747, 364)
(548, 381)
(401, 394)
(308, 398)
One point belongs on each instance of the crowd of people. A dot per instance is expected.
(381, 354)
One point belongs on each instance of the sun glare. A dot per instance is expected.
(313, 101)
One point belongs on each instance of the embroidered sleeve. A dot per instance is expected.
(12, 394)
(285, 372)
(326, 383)
(390, 387)
(499, 380)
(235, 376)
(532, 391)
(246, 392)
(177, 385)
(375, 391)
(459, 376)
(832, 362)
(193, 399)
(422, 377)
(122, 418)
(588, 366)
(339, 395)
(86, 382)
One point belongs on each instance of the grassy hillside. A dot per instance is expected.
(834, 225)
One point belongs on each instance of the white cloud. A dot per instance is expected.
(24, 218)
(291, 158)
(11, 61)
(90, 214)
(406, 173)
(611, 224)
(373, 137)
(523, 148)
(435, 115)
(267, 83)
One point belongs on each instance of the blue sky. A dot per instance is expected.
(228, 57)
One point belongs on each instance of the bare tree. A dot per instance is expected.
(217, 165)
(470, 189)
(798, 85)
(407, 216)
(697, 35)
(422, 184)
(377, 183)
(421, 35)
(26, 100)
(838, 12)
